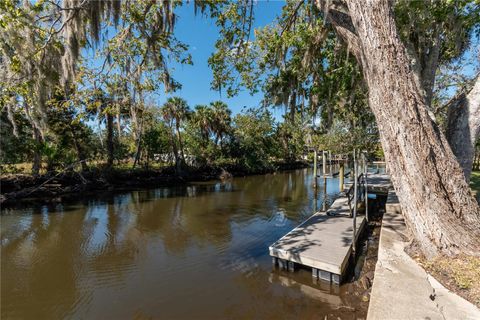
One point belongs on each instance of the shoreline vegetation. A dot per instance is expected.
(53, 186)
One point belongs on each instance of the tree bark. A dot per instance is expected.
(425, 56)
(463, 127)
(109, 140)
(78, 149)
(178, 164)
(435, 198)
(138, 142)
(37, 155)
(138, 151)
(180, 143)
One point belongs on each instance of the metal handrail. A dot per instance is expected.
(350, 192)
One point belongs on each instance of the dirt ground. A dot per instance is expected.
(460, 274)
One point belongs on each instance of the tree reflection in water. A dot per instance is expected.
(188, 251)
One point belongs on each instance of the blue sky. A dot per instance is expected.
(200, 33)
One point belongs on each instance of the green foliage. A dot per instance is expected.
(62, 107)
(342, 139)
(155, 140)
(448, 23)
(291, 135)
(300, 65)
(254, 138)
(15, 148)
(207, 131)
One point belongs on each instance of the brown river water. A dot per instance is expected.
(188, 252)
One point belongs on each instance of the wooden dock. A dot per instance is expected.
(378, 183)
(324, 241)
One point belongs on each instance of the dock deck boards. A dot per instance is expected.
(376, 183)
(324, 241)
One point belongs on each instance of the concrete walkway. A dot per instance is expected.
(401, 288)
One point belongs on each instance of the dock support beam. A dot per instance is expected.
(324, 275)
(336, 278)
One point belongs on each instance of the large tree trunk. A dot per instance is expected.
(463, 127)
(180, 144)
(79, 149)
(37, 155)
(110, 147)
(435, 198)
(424, 57)
(138, 150)
(178, 164)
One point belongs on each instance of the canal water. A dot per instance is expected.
(189, 252)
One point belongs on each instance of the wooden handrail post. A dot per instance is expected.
(355, 191)
(315, 168)
(330, 161)
(366, 186)
(324, 205)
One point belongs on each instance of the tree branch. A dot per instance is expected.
(336, 13)
(463, 125)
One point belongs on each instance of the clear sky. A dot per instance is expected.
(200, 33)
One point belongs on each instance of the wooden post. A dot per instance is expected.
(342, 176)
(355, 192)
(291, 266)
(315, 168)
(324, 204)
(324, 163)
(274, 262)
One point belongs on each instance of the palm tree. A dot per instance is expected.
(221, 120)
(174, 112)
(203, 119)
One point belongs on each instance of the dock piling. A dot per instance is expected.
(341, 176)
(315, 155)
(324, 275)
(291, 266)
(274, 261)
(336, 278)
(329, 260)
(324, 163)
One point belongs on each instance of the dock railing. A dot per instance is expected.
(351, 193)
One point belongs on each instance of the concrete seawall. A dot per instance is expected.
(402, 289)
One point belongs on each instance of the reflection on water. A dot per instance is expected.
(197, 251)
